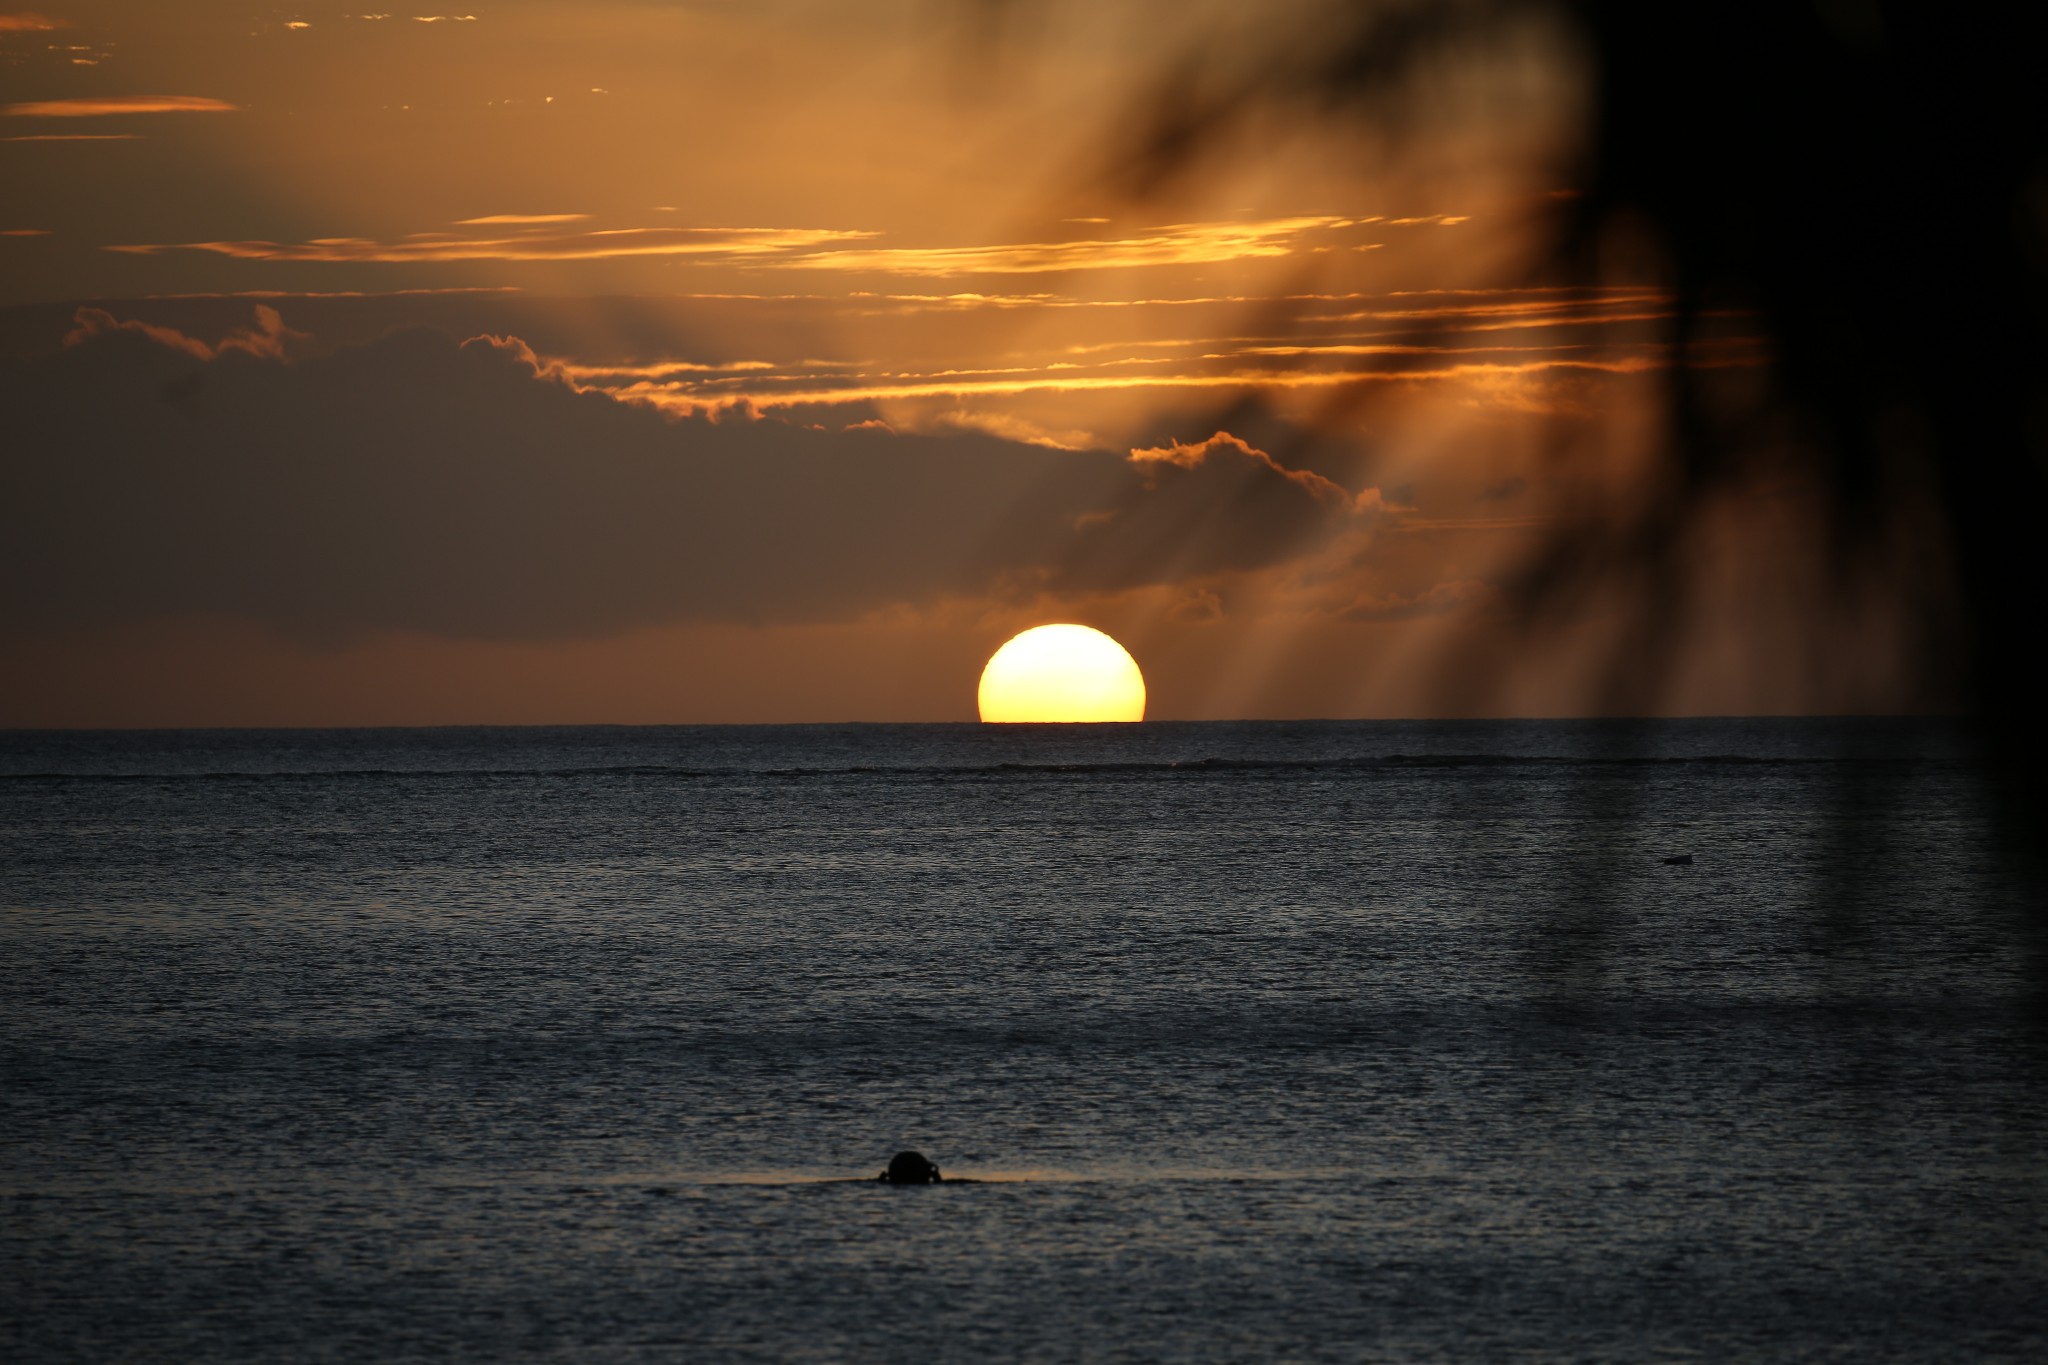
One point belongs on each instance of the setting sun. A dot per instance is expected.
(1062, 673)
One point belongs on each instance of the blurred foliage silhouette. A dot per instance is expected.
(1862, 182)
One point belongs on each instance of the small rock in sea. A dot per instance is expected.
(909, 1168)
(1682, 860)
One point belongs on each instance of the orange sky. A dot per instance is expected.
(776, 361)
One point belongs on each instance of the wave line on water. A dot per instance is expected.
(1195, 766)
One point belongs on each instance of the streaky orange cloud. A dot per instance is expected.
(1172, 244)
(1472, 303)
(28, 21)
(684, 397)
(507, 219)
(98, 106)
(1310, 350)
(581, 246)
(660, 369)
(343, 293)
(1587, 319)
(25, 232)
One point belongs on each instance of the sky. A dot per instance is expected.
(776, 361)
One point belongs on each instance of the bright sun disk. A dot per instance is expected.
(1062, 673)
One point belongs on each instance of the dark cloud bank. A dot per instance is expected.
(415, 482)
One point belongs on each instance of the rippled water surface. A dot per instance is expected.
(1303, 1041)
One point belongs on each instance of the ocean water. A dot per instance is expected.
(1336, 1041)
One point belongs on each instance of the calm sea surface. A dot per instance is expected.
(1294, 1041)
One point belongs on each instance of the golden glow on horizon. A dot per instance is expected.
(1061, 673)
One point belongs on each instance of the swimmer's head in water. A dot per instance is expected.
(910, 1168)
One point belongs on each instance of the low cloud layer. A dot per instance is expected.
(457, 488)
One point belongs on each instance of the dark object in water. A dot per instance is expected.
(909, 1168)
(1682, 860)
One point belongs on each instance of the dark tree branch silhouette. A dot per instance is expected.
(1865, 182)
(1864, 185)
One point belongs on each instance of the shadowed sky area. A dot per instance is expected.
(703, 361)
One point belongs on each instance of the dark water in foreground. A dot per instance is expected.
(1333, 1041)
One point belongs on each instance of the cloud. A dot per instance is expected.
(1474, 308)
(585, 375)
(445, 290)
(1197, 456)
(904, 349)
(730, 243)
(101, 106)
(72, 137)
(1012, 427)
(1175, 244)
(1217, 506)
(807, 248)
(30, 22)
(496, 219)
(1499, 384)
(266, 338)
(459, 489)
